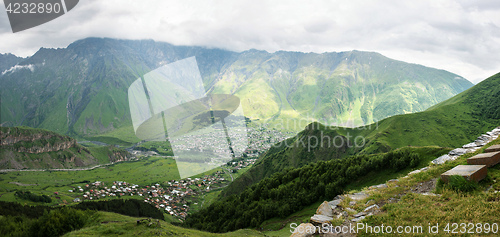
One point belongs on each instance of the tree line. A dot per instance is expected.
(27, 195)
(25, 220)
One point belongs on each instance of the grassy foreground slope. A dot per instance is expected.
(452, 123)
(112, 224)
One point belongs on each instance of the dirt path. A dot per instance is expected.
(21, 184)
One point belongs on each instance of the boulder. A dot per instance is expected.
(303, 230)
(324, 209)
(414, 172)
(442, 159)
(333, 204)
(321, 219)
(358, 196)
(350, 210)
(378, 186)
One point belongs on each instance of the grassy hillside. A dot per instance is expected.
(18, 220)
(452, 123)
(116, 224)
(291, 190)
(24, 147)
(348, 88)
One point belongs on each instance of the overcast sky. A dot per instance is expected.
(462, 37)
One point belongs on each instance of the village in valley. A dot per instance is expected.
(178, 197)
(174, 197)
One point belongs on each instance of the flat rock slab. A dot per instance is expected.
(469, 172)
(442, 159)
(320, 219)
(358, 196)
(358, 219)
(457, 152)
(489, 159)
(493, 148)
(470, 145)
(372, 207)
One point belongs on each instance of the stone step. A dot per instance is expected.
(493, 148)
(489, 159)
(469, 172)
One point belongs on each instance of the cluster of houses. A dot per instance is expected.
(237, 165)
(173, 196)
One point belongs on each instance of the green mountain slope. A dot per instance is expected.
(452, 123)
(23, 147)
(347, 88)
(81, 90)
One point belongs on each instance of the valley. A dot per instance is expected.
(319, 127)
(143, 179)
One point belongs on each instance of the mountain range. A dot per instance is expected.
(81, 90)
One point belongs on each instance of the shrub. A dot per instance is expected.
(63, 220)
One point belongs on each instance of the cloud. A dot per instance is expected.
(30, 67)
(459, 36)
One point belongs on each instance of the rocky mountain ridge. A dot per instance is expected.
(28, 148)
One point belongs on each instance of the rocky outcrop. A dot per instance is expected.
(118, 156)
(324, 209)
(33, 141)
(52, 150)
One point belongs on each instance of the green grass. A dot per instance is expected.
(142, 172)
(112, 224)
